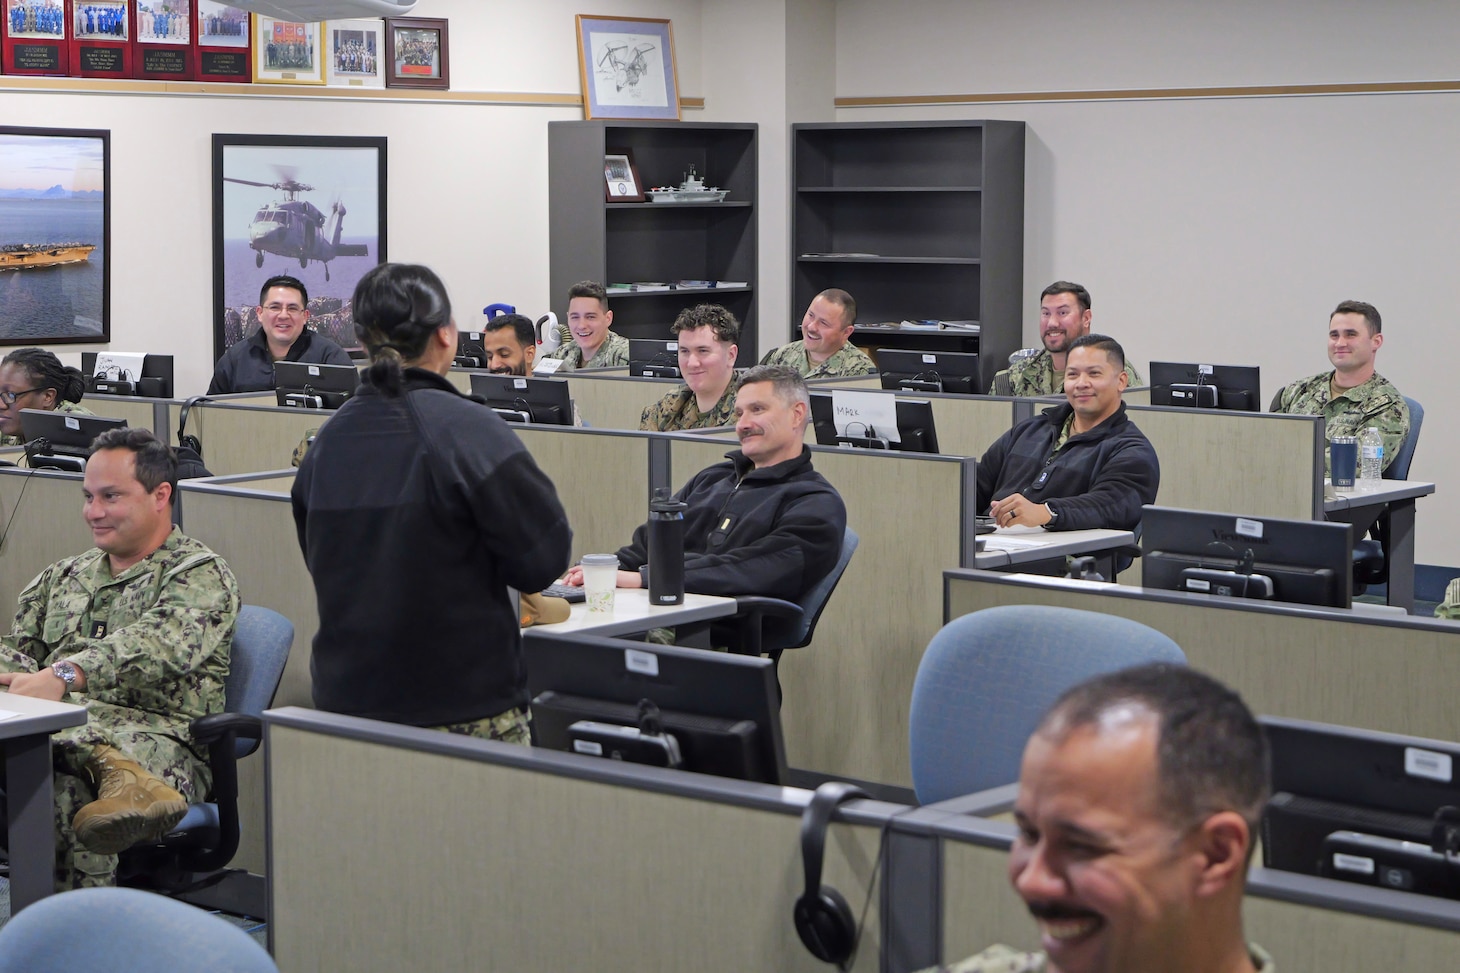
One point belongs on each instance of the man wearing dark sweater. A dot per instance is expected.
(1074, 466)
(763, 523)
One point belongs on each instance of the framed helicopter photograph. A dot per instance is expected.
(627, 67)
(310, 207)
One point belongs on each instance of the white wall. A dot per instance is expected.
(1216, 229)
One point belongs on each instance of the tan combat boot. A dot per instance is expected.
(131, 806)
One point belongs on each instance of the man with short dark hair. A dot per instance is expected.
(139, 628)
(1353, 396)
(1064, 316)
(589, 320)
(706, 335)
(825, 348)
(510, 342)
(1139, 802)
(283, 312)
(1078, 465)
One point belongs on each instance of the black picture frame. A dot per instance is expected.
(260, 228)
(60, 297)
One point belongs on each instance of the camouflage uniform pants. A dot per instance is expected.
(509, 727)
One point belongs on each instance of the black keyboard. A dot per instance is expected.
(568, 592)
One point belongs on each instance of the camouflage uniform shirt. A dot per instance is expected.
(613, 351)
(1375, 403)
(1002, 959)
(75, 408)
(680, 410)
(1450, 607)
(848, 361)
(1035, 376)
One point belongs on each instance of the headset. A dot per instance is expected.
(185, 441)
(823, 919)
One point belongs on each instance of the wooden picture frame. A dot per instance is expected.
(627, 67)
(287, 52)
(621, 182)
(55, 188)
(417, 53)
(356, 53)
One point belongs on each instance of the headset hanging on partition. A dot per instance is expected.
(823, 919)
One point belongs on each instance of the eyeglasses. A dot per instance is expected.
(9, 397)
(281, 308)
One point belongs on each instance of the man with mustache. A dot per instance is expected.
(825, 349)
(1064, 315)
(1139, 801)
(763, 523)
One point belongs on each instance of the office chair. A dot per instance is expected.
(111, 930)
(769, 626)
(1370, 564)
(207, 837)
(987, 678)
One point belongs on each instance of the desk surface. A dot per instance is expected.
(633, 613)
(34, 715)
(1387, 491)
(1020, 545)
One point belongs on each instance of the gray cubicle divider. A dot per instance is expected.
(40, 523)
(480, 854)
(606, 398)
(1353, 668)
(847, 694)
(249, 433)
(140, 413)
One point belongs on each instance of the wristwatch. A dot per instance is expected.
(1053, 514)
(65, 672)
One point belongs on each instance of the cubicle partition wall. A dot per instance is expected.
(40, 523)
(248, 434)
(846, 694)
(1352, 668)
(484, 855)
(140, 413)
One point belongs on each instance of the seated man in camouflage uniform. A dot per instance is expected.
(138, 628)
(593, 344)
(824, 349)
(706, 334)
(1064, 315)
(1138, 808)
(1353, 396)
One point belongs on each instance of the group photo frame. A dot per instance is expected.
(627, 67)
(417, 53)
(356, 53)
(287, 52)
(621, 182)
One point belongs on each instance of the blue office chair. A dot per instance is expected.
(987, 678)
(769, 626)
(114, 930)
(1370, 564)
(207, 837)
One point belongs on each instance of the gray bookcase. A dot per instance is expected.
(916, 220)
(592, 239)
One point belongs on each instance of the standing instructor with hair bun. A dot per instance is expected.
(417, 508)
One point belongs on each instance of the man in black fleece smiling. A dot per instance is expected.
(763, 523)
(1079, 465)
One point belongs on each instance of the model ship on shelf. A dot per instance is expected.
(692, 190)
(21, 256)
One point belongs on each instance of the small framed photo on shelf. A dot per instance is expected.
(222, 41)
(621, 182)
(627, 67)
(355, 53)
(34, 38)
(417, 53)
(286, 52)
(164, 40)
(101, 39)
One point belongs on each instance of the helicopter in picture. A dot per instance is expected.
(294, 227)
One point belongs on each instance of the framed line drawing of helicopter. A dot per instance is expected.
(311, 207)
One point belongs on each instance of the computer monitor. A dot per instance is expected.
(469, 350)
(653, 358)
(61, 440)
(1362, 806)
(914, 427)
(1235, 388)
(927, 371)
(722, 710)
(1306, 562)
(299, 385)
(154, 381)
(519, 399)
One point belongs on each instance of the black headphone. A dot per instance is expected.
(823, 919)
(183, 439)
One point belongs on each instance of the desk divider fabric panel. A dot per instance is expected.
(465, 864)
(614, 401)
(967, 425)
(1398, 676)
(250, 439)
(1137, 396)
(140, 413)
(46, 527)
(847, 693)
(602, 481)
(1243, 462)
(861, 383)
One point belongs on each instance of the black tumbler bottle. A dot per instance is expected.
(666, 549)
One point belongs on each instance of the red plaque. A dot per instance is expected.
(33, 37)
(101, 38)
(164, 40)
(221, 45)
